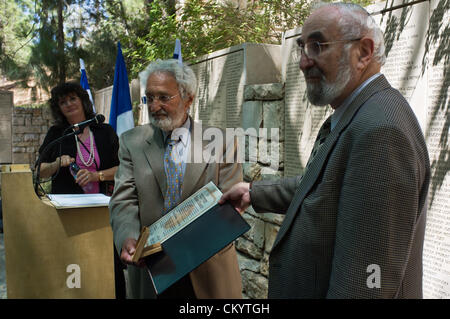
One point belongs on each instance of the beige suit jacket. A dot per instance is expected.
(138, 201)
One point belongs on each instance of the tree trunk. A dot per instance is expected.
(60, 40)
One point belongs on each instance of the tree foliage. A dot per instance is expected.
(44, 40)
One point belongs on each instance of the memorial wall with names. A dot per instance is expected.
(417, 37)
(221, 78)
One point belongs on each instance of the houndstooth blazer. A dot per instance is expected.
(354, 224)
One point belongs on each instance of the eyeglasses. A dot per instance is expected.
(67, 100)
(314, 49)
(163, 99)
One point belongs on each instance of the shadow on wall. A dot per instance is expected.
(438, 38)
(436, 53)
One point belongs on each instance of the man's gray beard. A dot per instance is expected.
(168, 124)
(324, 93)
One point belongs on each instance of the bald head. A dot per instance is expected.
(353, 21)
(340, 50)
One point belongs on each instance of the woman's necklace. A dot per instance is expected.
(91, 151)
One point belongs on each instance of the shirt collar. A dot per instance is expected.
(339, 111)
(182, 135)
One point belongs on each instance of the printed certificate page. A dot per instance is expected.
(184, 214)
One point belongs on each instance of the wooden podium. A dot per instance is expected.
(48, 251)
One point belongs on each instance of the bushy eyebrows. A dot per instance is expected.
(313, 36)
(156, 92)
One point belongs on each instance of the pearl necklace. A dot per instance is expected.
(90, 160)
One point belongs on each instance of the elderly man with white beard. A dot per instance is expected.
(355, 219)
(156, 173)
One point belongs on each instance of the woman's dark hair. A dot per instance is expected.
(63, 90)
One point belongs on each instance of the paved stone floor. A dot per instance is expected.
(2, 269)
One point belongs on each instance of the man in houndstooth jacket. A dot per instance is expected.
(355, 220)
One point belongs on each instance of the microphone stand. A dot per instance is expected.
(37, 166)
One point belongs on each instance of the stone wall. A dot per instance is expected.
(30, 125)
(263, 108)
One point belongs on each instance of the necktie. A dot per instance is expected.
(324, 131)
(174, 169)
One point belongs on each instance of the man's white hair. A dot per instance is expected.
(356, 22)
(183, 74)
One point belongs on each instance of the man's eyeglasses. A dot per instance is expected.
(163, 99)
(314, 49)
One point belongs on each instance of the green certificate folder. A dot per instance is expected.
(194, 244)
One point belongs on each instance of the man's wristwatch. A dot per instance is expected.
(101, 176)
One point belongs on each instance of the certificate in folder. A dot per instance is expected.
(190, 234)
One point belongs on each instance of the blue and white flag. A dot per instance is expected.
(84, 83)
(121, 114)
(177, 51)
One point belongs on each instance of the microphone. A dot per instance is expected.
(99, 118)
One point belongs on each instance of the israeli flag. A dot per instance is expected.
(177, 52)
(84, 83)
(121, 114)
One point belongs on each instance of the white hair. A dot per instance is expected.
(356, 22)
(183, 74)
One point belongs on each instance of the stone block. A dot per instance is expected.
(41, 138)
(252, 115)
(246, 263)
(251, 212)
(273, 115)
(21, 158)
(31, 137)
(264, 265)
(248, 248)
(36, 112)
(17, 138)
(38, 121)
(268, 173)
(251, 149)
(272, 218)
(271, 153)
(26, 129)
(19, 149)
(255, 286)
(256, 232)
(264, 92)
(270, 233)
(252, 171)
(18, 120)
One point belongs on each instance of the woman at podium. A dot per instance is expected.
(87, 161)
(83, 163)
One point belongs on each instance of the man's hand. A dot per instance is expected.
(238, 196)
(128, 249)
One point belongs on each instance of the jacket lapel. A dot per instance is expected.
(311, 175)
(154, 152)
